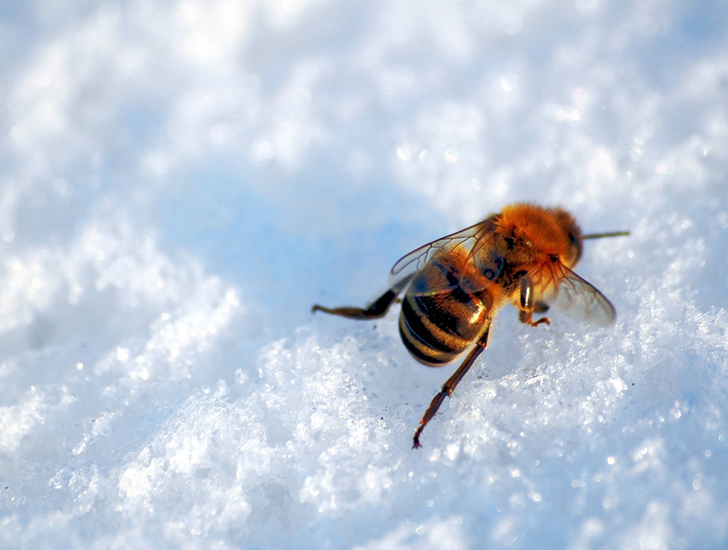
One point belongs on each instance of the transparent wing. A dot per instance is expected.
(464, 245)
(571, 293)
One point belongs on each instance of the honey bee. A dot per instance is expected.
(454, 286)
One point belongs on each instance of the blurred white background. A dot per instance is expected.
(181, 180)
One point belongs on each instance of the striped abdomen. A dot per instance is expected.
(438, 325)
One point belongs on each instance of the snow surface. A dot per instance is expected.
(181, 180)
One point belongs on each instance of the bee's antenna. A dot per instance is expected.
(608, 234)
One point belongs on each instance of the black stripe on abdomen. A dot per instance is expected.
(429, 332)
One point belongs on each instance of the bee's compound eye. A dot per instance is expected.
(576, 243)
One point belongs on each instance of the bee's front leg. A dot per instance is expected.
(527, 307)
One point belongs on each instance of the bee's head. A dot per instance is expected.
(575, 246)
(529, 229)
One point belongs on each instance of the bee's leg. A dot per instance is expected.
(527, 308)
(378, 308)
(449, 386)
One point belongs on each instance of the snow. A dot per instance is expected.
(181, 180)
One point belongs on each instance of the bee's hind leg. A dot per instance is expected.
(449, 386)
(378, 308)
